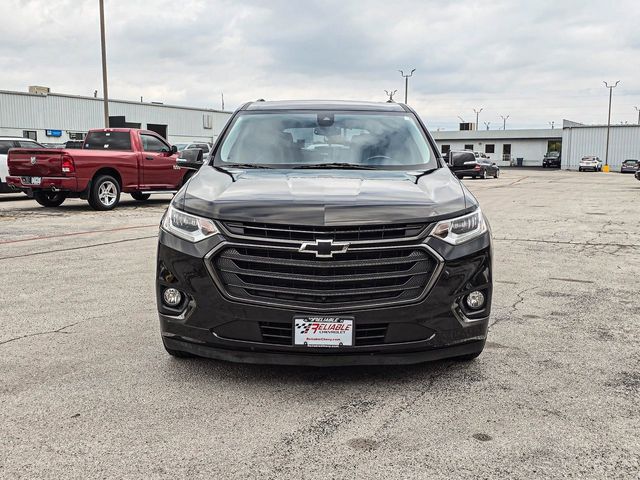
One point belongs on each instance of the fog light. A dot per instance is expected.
(475, 300)
(172, 297)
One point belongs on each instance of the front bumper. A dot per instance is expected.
(65, 184)
(595, 168)
(210, 324)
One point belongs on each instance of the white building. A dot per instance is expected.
(55, 118)
(504, 147)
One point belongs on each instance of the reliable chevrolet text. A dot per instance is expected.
(324, 233)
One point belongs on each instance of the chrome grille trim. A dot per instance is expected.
(326, 232)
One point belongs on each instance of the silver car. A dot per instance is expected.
(590, 163)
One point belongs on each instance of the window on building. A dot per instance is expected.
(78, 136)
(506, 149)
(445, 148)
(151, 143)
(32, 134)
(469, 146)
(489, 148)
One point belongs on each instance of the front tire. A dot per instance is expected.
(484, 175)
(497, 174)
(49, 199)
(105, 193)
(141, 197)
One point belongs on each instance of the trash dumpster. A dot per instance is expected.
(520, 161)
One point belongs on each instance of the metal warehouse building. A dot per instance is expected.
(574, 140)
(583, 140)
(55, 118)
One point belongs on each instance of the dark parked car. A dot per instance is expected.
(324, 233)
(551, 160)
(637, 175)
(467, 164)
(630, 166)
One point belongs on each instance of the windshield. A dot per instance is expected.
(630, 161)
(359, 139)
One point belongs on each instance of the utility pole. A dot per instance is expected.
(222, 96)
(477, 112)
(606, 155)
(638, 109)
(504, 121)
(406, 83)
(105, 92)
(486, 124)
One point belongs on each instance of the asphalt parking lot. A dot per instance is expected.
(87, 391)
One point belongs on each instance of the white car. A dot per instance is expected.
(5, 144)
(590, 163)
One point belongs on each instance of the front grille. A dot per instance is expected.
(357, 278)
(281, 333)
(310, 233)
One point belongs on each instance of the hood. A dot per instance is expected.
(324, 197)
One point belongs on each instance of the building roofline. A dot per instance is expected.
(114, 100)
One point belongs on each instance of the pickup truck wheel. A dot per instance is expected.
(141, 197)
(484, 175)
(49, 199)
(105, 193)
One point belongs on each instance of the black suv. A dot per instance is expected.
(552, 159)
(324, 233)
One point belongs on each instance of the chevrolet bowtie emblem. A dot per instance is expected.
(324, 248)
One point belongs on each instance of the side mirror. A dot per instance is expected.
(174, 149)
(191, 158)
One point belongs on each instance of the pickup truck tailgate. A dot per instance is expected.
(37, 162)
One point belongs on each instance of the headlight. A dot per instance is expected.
(461, 229)
(187, 226)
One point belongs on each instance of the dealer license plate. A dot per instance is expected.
(323, 331)
(31, 180)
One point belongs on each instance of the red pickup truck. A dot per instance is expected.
(112, 160)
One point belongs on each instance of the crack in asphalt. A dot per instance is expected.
(48, 332)
(513, 308)
(569, 242)
(79, 247)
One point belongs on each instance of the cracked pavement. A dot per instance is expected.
(86, 390)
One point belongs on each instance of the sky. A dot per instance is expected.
(537, 62)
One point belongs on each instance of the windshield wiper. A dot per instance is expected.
(353, 166)
(242, 165)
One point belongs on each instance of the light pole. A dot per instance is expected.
(606, 155)
(504, 121)
(486, 124)
(390, 94)
(552, 124)
(104, 66)
(477, 112)
(638, 109)
(406, 83)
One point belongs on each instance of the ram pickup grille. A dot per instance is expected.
(280, 333)
(340, 234)
(357, 278)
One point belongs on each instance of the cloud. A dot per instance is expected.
(537, 62)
